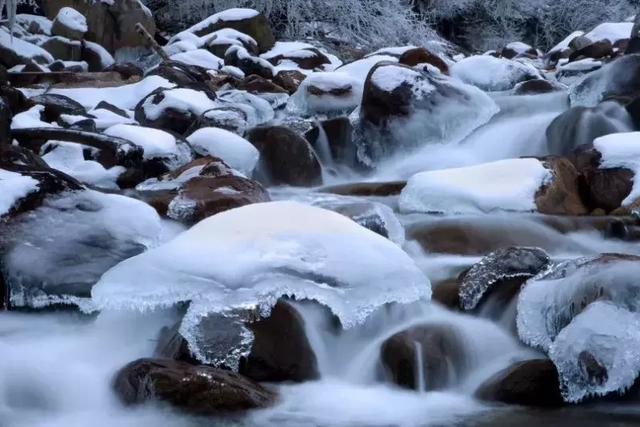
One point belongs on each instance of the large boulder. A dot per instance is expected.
(561, 194)
(442, 357)
(285, 157)
(581, 125)
(55, 105)
(421, 55)
(403, 107)
(529, 383)
(198, 390)
(110, 24)
(69, 23)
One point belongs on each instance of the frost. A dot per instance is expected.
(584, 314)
(247, 258)
(509, 185)
(500, 265)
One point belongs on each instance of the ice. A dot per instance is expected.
(500, 265)
(493, 74)
(621, 150)
(234, 150)
(615, 79)
(597, 353)
(71, 18)
(14, 187)
(69, 158)
(584, 314)
(257, 110)
(180, 99)
(509, 185)
(612, 31)
(125, 97)
(156, 143)
(247, 258)
(56, 253)
(199, 57)
(349, 89)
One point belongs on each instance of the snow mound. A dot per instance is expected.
(234, 150)
(71, 18)
(14, 187)
(179, 99)
(585, 314)
(390, 78)
(509, 185)
(612, 31)
(324, 92)
(69, 158)
(247, 258)
(155, 142)
(493, 74)
(564, 44)
(125, 97)
(621, 150)
(199, 57)
(229, 15)
(32, 118)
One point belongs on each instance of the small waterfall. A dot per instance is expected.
(323, 148)
(421, 387)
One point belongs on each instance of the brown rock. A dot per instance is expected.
(597, 50)
(421, 55)
(367, 189)
(561, 196)
(198, 390)
(256, 84)
(530, 383)
(289, 80)
(256, 27)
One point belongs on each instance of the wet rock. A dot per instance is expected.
(581, 125)
(421, 55)
(442, 357)
(498, 269)
(286, 158)
(367, 189)
(339, 135)
(535, 87)
(199, 390)
(562, 195)
(256, 85)
(289, 80)
(446, 293)
(596, 50)
(280, 350)
(56, 105)
(126, 69)
(617, 80)
(529, 383)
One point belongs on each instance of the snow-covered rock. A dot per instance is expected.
(263, 252)
(199, 57)
(621, 150)
(612, 31)
(326, 92)
(234, 150)
(13, 187)
(509, 185)
(493, 74)
(69, 23)
(617, 79)
(14, 51)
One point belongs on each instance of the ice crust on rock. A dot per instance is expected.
(509, 185)
(585, 314)
(247, 258)
(500, 265)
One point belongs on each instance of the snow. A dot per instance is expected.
(155, 142)
(586, 305)
(105, 118)
(586, 64)
(125, 97)
(613, 31)
(229, 36)
(87, 232)
(304, 102)
(14, 187)
(283, 48)
(359, 69)
(509, 185)
(23, 48)
(621, 150)
(564, 44)
(229, 15)
(392, 50)
(234, 150)
(72, 19)
(106, 59)
(518, 47)
(233, 71)
(199, 57)
(30, 119)
(390, 78)
(492, 74)
(257, 110)
(43, 22)
(159, 184)
(178, 99)
(262, 252)
(69, 158)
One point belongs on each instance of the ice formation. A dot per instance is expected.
(246, 258)
(585, 314)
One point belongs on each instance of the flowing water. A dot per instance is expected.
(57, 367)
